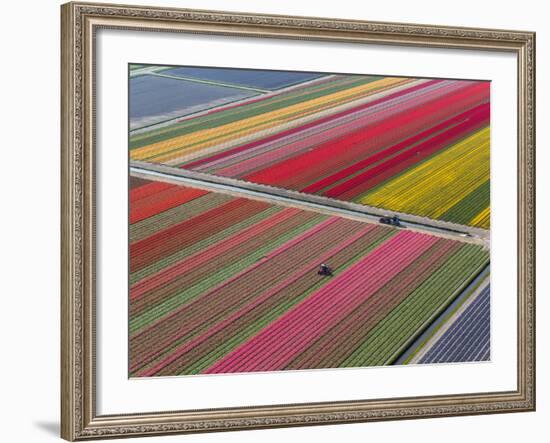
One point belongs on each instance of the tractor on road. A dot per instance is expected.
(392, 221)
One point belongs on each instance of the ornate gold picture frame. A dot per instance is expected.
(80, 23)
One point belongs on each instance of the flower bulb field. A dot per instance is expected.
(286, 220)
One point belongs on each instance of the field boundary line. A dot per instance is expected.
(210, 82)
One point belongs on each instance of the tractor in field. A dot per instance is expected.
(325, 270)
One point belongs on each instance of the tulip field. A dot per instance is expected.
(227, 284)
(357, 138)
(226, 277)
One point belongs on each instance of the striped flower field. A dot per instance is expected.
(465, 337)
(226, 284)
(415, 146)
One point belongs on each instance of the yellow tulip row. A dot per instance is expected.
(436, 185)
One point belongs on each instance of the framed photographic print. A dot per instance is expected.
(280, 221)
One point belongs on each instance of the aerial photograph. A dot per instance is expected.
(285, 220)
